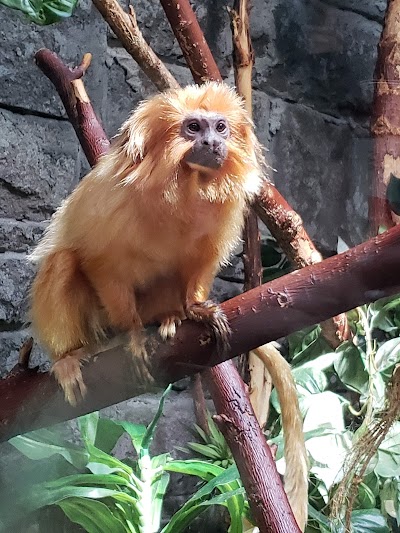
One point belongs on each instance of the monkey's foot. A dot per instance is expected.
(212, 315)
(67, 372)
(168, 327)
(140, 357)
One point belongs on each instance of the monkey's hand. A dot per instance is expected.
(140, 356)
(212, 315)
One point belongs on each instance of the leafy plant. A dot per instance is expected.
(341, 395)
(107, 494)
(43, 12)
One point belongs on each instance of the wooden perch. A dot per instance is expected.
(305, 297)
(385, 121)
(125, 27)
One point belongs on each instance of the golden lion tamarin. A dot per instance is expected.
(143, 235)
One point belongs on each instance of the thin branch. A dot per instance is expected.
(259, 381)
(303, 298)
(125, 27)
(69, 86)
(199, 403)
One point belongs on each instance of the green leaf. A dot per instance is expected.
(108, 434)
(43, 444)
(387, 355)
(350, 367)
(148, 437)
(368, 520)
(43, 12)
(194, 467)
(88, 427)
(365, 497)
(92, 515)
(388, 463)
(135, 431)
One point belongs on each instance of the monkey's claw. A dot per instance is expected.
(167, 330)
(67, 372)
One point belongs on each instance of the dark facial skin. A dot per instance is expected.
(209, 133)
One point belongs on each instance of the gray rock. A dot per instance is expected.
(315, 54)
(14, 283)
(315, 177)
(22, 84)
(19, 235)
(37, 165)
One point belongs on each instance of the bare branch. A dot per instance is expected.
(191, 39)
(77, 104)
(125, 27)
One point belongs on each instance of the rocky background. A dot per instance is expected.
(312, 97)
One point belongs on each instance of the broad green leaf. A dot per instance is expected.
(350, 367)
(43, 12)
(388, 463)
(368, 521)
(387, 355)
(300, 340)
(88, 427)
(135, 431)
(98, 456)
(108, 434)
(365, 497)
(207, 450)
(38, 445)
(94, 516)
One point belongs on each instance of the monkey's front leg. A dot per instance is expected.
(200, 309)
(119, 301)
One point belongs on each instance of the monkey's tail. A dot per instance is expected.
(296, 472)
(64, 309)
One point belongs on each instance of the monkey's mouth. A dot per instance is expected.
(207, 157)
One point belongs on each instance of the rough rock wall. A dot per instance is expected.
(312, 95)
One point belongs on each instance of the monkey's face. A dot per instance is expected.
(209, 133)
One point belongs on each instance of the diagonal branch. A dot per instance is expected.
(69, 86)
(125, 27)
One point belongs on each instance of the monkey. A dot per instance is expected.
(296, 471)
(143, 235)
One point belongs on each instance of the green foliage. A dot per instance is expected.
(43, 12)
(105, 494)
(340, 393)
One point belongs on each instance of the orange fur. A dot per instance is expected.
(143, 235)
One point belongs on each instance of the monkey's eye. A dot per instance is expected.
(221, 126)
(194, 127)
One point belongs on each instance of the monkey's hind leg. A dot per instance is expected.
(65, 317)
(211, 314)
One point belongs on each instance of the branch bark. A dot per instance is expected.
(69, 86)
(385, 121)
(364, 273)
(125, 27)
(267, 499)
(191, 39)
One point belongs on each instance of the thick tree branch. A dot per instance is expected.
(69, 86)
(125, 27)
(305, 297)
(268, 500)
